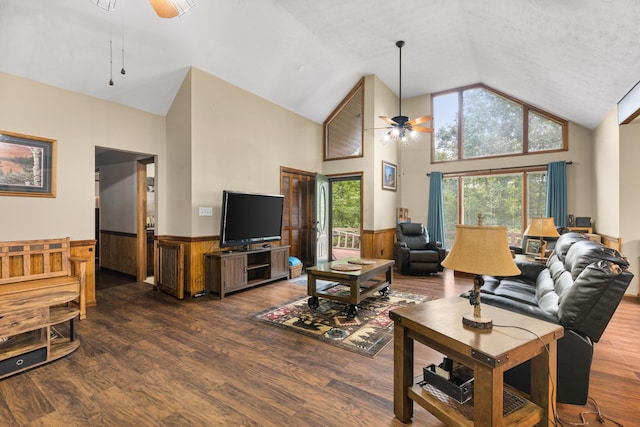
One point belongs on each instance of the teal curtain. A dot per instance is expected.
(435, 215)
(557, 193)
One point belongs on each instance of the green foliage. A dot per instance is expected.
(492, 125)
(345, 204)
(497, 197)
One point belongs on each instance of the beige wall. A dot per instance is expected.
(607, 174)
(239, 142)
(629, 201)
(177, 186)
(79, 123)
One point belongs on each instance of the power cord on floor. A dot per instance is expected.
(599, 415)
(596, 411)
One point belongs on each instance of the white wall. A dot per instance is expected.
(79, 123)
(118, 191)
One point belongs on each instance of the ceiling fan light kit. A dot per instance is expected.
(171, 8)
(402, 129)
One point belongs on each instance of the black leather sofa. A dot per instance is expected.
(414, 253)
(579, 288)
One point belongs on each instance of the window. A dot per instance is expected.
(492, 124)
(343, 133)
(508, 199)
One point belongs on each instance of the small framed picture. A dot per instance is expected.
(533, 248)
(27, 165)
(389, 176)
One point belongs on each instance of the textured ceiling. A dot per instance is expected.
(574, 58)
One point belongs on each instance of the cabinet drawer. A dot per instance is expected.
(23, 361)
(16, 322)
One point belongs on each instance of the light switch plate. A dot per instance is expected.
(205, 211)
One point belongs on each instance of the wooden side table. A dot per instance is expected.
(588, 230)
(438, 325)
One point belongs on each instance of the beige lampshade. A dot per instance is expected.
(541, 227)
(481, 250)
(171, 8)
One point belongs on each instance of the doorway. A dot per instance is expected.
(346, 216)
(122, 223)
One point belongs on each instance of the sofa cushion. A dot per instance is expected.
(585, 252)
(512, 288)
(565, 242)
(578, 301)
(546, 296)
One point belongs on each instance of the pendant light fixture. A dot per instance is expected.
(401, 128)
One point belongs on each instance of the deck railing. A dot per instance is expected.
(346, 238)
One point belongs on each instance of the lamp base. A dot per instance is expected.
(477, 322)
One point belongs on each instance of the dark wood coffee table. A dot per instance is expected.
(362, 280)
(438, 325)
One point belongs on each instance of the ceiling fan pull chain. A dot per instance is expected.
(122, 71)
(110, 55)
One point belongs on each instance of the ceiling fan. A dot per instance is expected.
(163, 8)
(403, 129)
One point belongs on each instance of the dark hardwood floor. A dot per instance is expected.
(148, 359)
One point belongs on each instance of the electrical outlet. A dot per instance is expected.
(205, 211)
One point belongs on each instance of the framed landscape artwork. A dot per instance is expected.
(389, 176)
(27, 165)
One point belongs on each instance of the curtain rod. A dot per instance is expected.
(515, 169)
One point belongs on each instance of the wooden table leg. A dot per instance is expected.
(487, 396)
(543, 368)
(402, 373)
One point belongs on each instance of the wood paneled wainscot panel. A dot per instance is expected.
(378, 243)
(194, 250)
(118, 251)
(86, 249)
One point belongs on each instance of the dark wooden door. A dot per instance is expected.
(298, 188)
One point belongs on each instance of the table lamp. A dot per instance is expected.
(480, 251)
(541, 227)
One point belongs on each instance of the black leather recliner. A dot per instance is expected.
(414, 253)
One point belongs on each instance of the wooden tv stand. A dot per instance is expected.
(232, 271)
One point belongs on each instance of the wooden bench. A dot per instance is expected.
(33, 268)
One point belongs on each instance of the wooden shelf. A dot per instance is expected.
(61, 347)
(527, 415)
(27, 319)
(62, 314)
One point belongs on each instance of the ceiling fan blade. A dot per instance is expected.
(419, 120)
(421, 129)
(387, 119)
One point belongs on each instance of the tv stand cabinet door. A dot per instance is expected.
(233, 273)
(280, 263)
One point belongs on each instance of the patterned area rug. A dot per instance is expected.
(368, 333)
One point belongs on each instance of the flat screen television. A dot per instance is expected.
(249, 218)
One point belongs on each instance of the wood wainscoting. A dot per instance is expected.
(86, 249)
(378, 243)
(118, 251)
(194, 249)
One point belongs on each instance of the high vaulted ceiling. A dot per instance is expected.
(573, 58)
